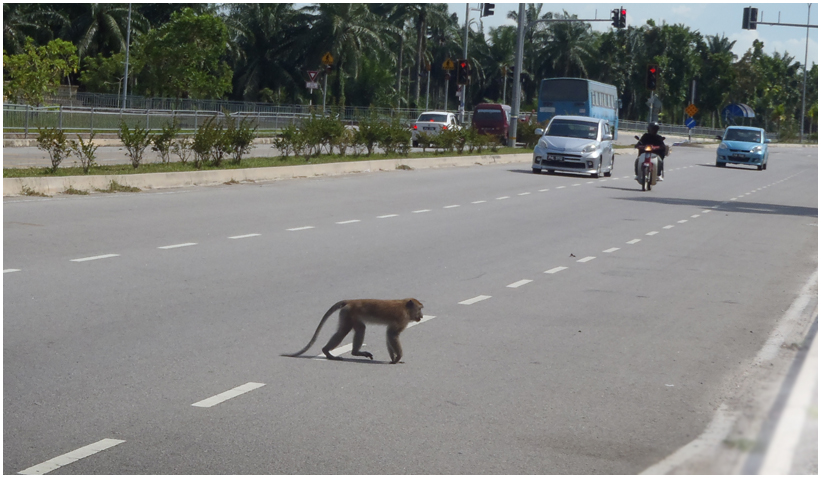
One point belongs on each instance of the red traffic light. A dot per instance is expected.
(623, 12)
(652, 70)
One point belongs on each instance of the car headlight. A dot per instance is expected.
(543, 143)
(589, 148)
(757, 149)
(722, 146)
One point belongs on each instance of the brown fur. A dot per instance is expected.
(354, 314)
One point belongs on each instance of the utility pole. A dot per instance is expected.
(127, 45)
(804, 94)
(517, 83)
(465, 56)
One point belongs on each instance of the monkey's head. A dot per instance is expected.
(415, 309)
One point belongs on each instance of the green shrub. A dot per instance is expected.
(163, 141)
(371, 131)
(53, 141)
(85, 152)
(241, 138)
(135, 142)
(203, 142)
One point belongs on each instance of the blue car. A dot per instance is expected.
(743, 145)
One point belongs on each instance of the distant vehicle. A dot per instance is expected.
(743, 145)
(578, 96)
(575, 144)
(493, 119)
(432, 123)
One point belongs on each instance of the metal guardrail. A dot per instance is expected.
(681, 130)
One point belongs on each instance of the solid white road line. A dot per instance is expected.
(555, 270)
(234, 392)
(519, 283)
(178, 245)
(474, 300)
(10, 270)
(71, 457)
(300, 228)
(586, 259)
(94, 258)
(349, 222)
(243, 236)
(634, 241)
(386, 216)
(612, 249)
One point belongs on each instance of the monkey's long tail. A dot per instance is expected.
(330, 312)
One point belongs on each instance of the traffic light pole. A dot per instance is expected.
(465, 56)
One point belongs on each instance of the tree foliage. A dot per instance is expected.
(35, 73)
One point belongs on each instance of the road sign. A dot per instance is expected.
(691, 110)
(448, 65)
(312, 75)
(690, 123)
(312, 85)
(327, 59)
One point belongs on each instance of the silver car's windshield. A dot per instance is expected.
(748, 136)
(573, 129)
(433, 118)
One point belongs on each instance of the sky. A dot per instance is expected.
(707, 18)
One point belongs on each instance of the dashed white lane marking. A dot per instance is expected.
(474, 300)
(555, 270)
(586, 259)
(523, 194)
(577, 184)
(634, 241)
(733, 199)
(543, 190)
(451, 206)
(695, 216)
(421, 210)
(425, 318)
(174, 246)
(560, 187)
(478, 202)
(652, 233)
(612, 249)
(668, 227)
(71, 457)
(244, 236)
(519, 283)
(10, 270)
(503, 197)
(343, 349)
(682, 221)
(94, 258)
(349, 222)
(234, 392)
(706, 211)
(303, 228)
(386, 216)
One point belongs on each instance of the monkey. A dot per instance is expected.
(354, 314)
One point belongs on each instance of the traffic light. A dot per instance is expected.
(487, 9)
(462, 72)
(750, 20)
(614, 15)
(652, 76)
(623, 18)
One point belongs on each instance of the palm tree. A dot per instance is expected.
(35, 20)
(265, 36)
(101, 27)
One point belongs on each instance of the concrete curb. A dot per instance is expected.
(56, 185)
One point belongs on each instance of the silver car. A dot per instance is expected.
(432, 123)
(575, 144)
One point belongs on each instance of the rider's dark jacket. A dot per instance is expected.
(654, 140)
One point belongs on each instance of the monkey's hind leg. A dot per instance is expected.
(344, 327)
(358, 338)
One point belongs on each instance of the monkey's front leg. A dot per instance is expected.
(358, 338)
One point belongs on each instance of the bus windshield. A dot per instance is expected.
(573, 129)
(564, 90)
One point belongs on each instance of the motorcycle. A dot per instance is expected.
(648, 165)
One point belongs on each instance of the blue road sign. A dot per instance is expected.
(690, 123)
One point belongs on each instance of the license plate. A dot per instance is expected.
(739, 156)
(429, 128)
(553, 157)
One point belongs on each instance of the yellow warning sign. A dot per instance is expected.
(691, 110)
(448, 65)
(327, 59)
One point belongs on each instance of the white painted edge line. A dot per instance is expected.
(386, 216)
(243, 236)
(349, 222)
(716, 430)
(634, 241)
(71, 457)
(652, 233)
(234, 392)
(612, 249)
(421, 210)
(478, 202)
(474, 300)
(10, 270)
(555, 270)
(586, 259)
(94, 258)
(503, 197)
(174, 246)
(300, 228)
(781, 451)
(519, 283)
(451, 206)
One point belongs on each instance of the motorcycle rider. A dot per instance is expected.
(652, 138)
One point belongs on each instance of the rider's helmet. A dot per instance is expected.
(653, 128)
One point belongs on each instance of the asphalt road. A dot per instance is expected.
(123, 311)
